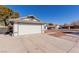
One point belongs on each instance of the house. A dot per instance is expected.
(51, 26)
(27, 25)
(70, 27)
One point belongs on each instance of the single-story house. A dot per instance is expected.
(27, 25)
(52, 26)
(70, 27)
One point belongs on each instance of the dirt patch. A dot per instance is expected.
(55, 33)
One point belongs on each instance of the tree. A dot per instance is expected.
(15, 15)
(75, 23)
(6, 14)
(51, 24)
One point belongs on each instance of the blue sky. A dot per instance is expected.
(57, 14)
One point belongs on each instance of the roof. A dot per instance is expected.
(28, 22)
(22, 20)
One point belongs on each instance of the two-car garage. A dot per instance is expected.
(28, 28)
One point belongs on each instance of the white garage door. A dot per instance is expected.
(22, 29)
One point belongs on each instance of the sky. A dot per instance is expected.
(57, 14)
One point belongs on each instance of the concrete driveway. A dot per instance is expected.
(36, 43)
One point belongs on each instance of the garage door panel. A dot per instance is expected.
(29, 29)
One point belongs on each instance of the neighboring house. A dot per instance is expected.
(52, 26)
(57, 27)
(27, 25)
(70, 27)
